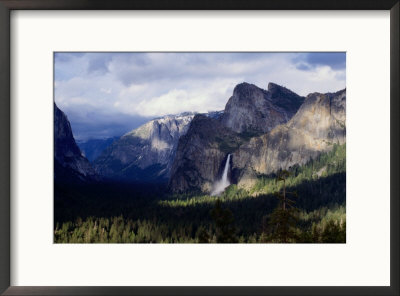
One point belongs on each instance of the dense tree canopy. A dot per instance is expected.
(144, 213)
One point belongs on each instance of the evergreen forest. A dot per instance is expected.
(304, 204)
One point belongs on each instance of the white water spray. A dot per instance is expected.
(220, 185)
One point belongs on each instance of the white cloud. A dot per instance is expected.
(155, 84)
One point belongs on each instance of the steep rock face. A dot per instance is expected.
(253, 109)
(316, 127)
(249, 112)
(201, 154)
(146, 153)
(69, 163)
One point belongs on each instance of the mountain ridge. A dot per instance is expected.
(69, 163)
(266, 107)
(263, 130)
(315, 128)
(287, 139)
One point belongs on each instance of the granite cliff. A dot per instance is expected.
(252, 109)
(264, 131)
(69, 163)
(315, 128)
(146, 153)
(250, 113)
(200, 154)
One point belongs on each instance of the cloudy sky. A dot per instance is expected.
(108, 94)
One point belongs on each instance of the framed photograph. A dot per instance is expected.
(196, 157)
(154, 148)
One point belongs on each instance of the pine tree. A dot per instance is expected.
(284, 218)
(203, 236)
(223, 218)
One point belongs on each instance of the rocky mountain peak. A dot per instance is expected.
(278, 90)
(318, 125)
(145, 153)
(69, 163)
(246, 90)
(272, 86)
(63, 138)
(253, 109)
(292, 130)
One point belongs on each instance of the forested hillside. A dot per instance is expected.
(125, 213)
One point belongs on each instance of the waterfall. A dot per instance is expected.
(220, 185)
(226, 169)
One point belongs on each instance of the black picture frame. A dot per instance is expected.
(6, 6)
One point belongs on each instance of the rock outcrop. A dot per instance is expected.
(250, 112)
(69, 163)
(252, 109)
(264, 131)
(146, 153)
(201, 154)
(317, 126)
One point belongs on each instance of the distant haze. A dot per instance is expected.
(108, 94)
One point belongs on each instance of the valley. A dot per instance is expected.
(122, 213)
(269, 168)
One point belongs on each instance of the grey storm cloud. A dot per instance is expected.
(308, 61)
(99, 64)
(96, 124)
